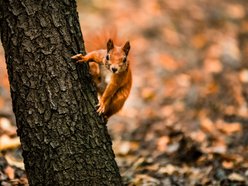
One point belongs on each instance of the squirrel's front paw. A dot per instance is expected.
(79, 58)
(101, 108)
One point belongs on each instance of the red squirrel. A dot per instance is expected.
(112, 75)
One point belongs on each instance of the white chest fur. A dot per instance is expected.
(106, 75)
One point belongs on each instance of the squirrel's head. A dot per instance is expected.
(116, 59)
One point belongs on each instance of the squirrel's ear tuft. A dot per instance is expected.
(110, 45)
(126, 47)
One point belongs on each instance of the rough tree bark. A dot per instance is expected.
(63, 139)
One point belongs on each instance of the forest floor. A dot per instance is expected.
(186, 120)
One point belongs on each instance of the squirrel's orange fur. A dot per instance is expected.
(112, 74)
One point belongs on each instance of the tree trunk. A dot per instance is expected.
(63, 139)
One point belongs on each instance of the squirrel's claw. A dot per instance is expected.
(101, 108)
(79, 58)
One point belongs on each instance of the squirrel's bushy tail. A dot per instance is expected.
(98, 39)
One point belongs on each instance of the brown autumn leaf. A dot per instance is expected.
(228, 164)
(172, 37)
(143, 179)
(176, 5)
(6, 127)
(168, 169)
(199, 40)
(153, 168)
(243, 76)
(212, 65)
(235, 10)
(236, 177)
(17, 182)
(198, 136)
(213, 52)
(168, 62)
(14, 162)
(218, 147)
(212, 88)
(9, 143)
(162, 143)
(207, 125)
(228, 128)
(123, 148)
(148, 93)
(10, 172)
(167, 111)
(235, 158)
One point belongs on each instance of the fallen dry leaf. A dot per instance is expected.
(143, 179)
(7, 127)
(124, 147)
(198, 136)
(10, 172)
(153, 167)
(236, 177)
(14, 162)
(243, 76)
(228, 128)
(168, 62)
(228, 164)
(213, 65)
(207, 125)
(218, 149)
(168, 169)
(236, 11)
(9, 143)
(162, 143)
(148, 93)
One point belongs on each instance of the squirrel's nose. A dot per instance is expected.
(114, 69)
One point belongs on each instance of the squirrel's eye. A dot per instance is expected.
(107, 57)
(124, 59)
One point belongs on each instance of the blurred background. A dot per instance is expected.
(186, 120)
